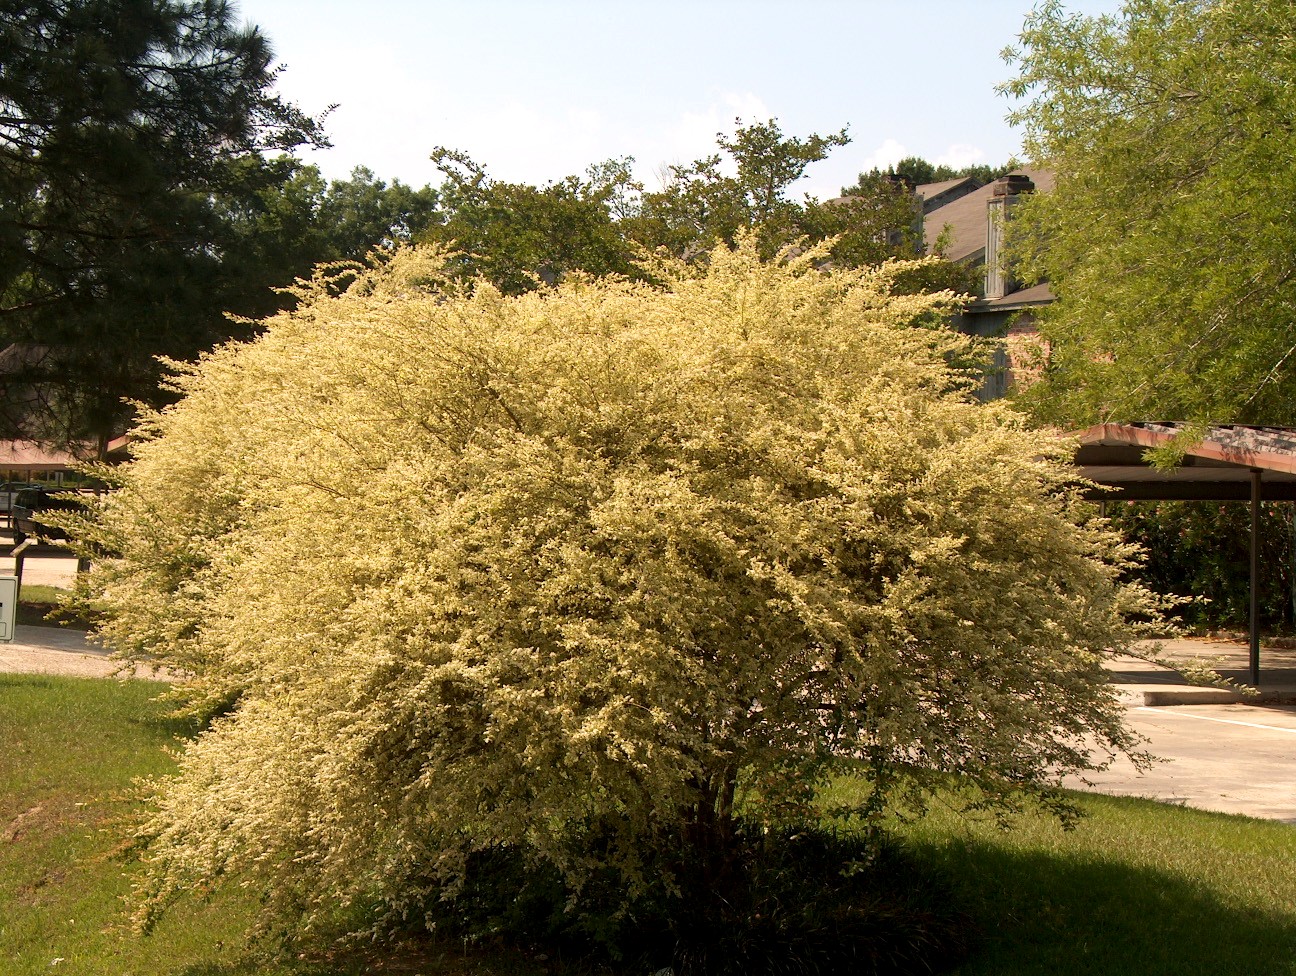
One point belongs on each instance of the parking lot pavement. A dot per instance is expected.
(43, 566)
(1228, 758)
(1233, 756)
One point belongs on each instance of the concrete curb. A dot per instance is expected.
(1215, 696)
(1196, 696)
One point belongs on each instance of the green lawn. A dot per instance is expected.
(36, 602)
(1138, 888)
(71, 749)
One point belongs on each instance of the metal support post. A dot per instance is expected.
(1255, 577)
(19, 557)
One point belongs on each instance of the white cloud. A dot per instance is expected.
(521, 142)
(887, 154)
(960, 154)
(693, 136)
(391, 120)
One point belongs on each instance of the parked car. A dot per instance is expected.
(9, 489)
(29, 507)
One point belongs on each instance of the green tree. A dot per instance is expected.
(122, 123)
(1169, 237)
(272, 235)
(516, 235)
(284, 230)
(878, 219)
(769, 163)
(595, 573)
(914, 171)
(696, 207)
(363, 212)
(699, 205)
(1201, 551)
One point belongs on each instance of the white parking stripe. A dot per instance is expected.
(1206, 718)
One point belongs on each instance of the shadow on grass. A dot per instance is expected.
(426, 959)
(1059, 914)
(46, 613)
(171, 724)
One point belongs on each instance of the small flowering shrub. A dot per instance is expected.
(605, 576)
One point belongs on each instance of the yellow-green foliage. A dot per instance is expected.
(482, 570)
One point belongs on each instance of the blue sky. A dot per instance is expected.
(539, 90)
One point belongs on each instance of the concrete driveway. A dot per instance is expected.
(62, 650)
(1219, 751)
(1229, 758)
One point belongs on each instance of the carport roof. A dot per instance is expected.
(1227, 463)
(27, 456)
(1216, 468)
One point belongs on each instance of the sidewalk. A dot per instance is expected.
(1144, 683)
(63, 651)
(54, 650)
(46, 567)
(1217, 749)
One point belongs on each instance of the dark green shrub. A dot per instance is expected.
(1202, 549)
(811, 902)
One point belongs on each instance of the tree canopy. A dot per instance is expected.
(914, 171)
(123, 125)
(1169, 238)
(593, 572)
(300, 220)
(518, 236)
(606, 222)
(144, 217)
(746, 188)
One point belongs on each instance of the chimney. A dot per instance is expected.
(1005, 192)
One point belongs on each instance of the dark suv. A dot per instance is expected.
(30, 504)
(9, 490)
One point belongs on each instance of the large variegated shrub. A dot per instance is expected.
(591, 572)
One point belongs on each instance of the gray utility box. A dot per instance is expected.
(8, 607)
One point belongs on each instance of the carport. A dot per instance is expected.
(22, 460)
(1229, 463)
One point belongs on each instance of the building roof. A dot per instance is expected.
(30, 456)
(1031, 297)
(965, 217)
(1230, 462)
(1218, 467)
(27, 456)
(934, 195)
(21, 355)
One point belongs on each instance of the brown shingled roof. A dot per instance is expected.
(936, 195)
(966, 219)
(1040, 294)
(27, 456)
(21, 355)
(926, 191)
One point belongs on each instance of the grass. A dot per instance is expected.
(72, 748)
(1137, 888)
(35, 593)
(37, 602)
